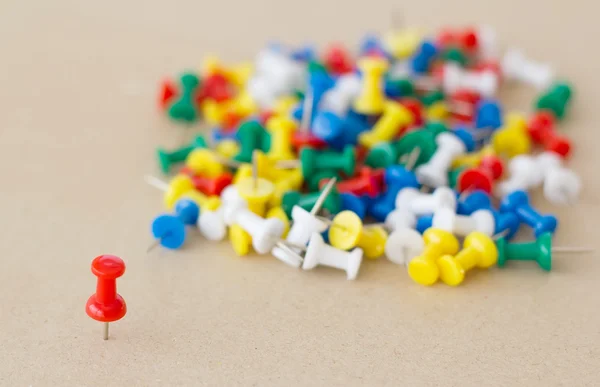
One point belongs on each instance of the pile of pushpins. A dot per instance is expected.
(401, 150)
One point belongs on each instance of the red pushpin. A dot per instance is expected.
(106, 304)
(166, 94)
(482, 177)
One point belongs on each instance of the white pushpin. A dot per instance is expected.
(434, 173)
(561, 184)
(460, 225)
(320, 253)
(400, 218)
(402, 245)
(515, 66)
(262, 92)
(525, 174)
(339, 98)
(420, 203)
(487, 40)
(455, 78)
(211, 223)
(304, 225)
(265, 233)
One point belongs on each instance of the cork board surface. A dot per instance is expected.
(78, 128)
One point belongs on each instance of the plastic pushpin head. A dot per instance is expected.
(423, 269)
(204, 162)
(345, 230)
(106, 305)
(241, 241)
(256, 193)
(169, 230)
(178, 185)
(371, 100)
(184, 108)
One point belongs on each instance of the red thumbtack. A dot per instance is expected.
(106, 305)
(483, 177)
(541, 130)
(166, 94)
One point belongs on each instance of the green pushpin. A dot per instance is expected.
(312, 160)
(436, 127)
(454, 54)
(556, 99)
(331, 203)
(313, 183)
(251, 136)
(432, 97)
(422, 139)
(184, 109)
(166, 159)
(382, 155)
(540, 251)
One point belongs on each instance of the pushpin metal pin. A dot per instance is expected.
(321, 199)
(307, 112)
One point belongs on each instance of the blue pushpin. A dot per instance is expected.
(518, 203)
(423, 58)
(466, 136)
(371, 44)
(305, 53)
(169, 230)
(353, 203)
(318, 83)
(396, 177)
(329, 128)
(479, 200)
(423, 223)
(488, 115)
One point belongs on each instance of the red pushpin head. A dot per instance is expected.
(106, 305)
(482, 177)
(166, 94)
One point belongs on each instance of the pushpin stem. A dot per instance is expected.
(105, 331)
(255, 170)
(306, 111)
(572, 250)
(156, 183)
(153, 245)
(501, 234)
(321, 199)
(413, 156)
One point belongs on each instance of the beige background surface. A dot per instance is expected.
(78, 128)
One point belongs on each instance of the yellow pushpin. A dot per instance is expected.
(437, 111)
(394, 118)
(279, 213)
(284, 181)
(281, 129)
(478, 250)
(205, 162)
(473, 159)
(214, 112)
(255, 190)
(240, 73)
(243, 104)
(347, 232)
(371, 100)
(240, 240)
(181, 187)
(512, 139)
(424, 269)
(227, 148)
(401, 43)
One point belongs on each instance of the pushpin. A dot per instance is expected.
(483, 177)
(166, 159)
(455, 78)
(166, 94)
(312, 161)
(515, 66)
(540, 251)
(556, 99)
(209, 186)
(281, 129)
(256, 191)
(462, 225)
(403, 44)
(180, 187)
(424, 269)
(525, 174)
(478, 250)
(561, 185)
(184, 109)
(403, 244)
(320, 253)
(305, 223)
(169, 230)
(512, 139)
(434, 173)
(338, 60)
(252, 136)
(264, 232)
(106, 305)
(542, 132)
(338, 99)
(205, 162)
(420, 203)
(303, 137)
(395, 117)
(423, 58)
(371, 100)
(518, 203)
(480, 200)
(396, 178)
(347, 232)
(331, 202)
